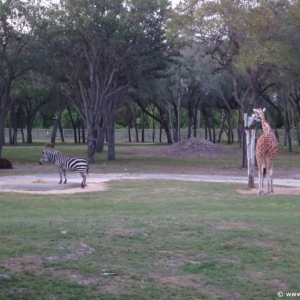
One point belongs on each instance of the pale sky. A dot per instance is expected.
(174, 2)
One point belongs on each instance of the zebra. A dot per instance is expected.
(64, 163)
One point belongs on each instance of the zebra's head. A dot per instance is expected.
(44, 157)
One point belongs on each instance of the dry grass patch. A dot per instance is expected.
(31, 263)
(264, 278)
(126, 232)
(232, 226)
(198, 283)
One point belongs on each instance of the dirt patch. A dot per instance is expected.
(277, 191)
(76, 251)
(35, 263)
(194, 282)
(232, 226)
(39, 265)
(42, 187)
(192, 147)
(126, 232)
(188, 281)
(39, 181)
(25, 263)
(169, 190)
(273, 284)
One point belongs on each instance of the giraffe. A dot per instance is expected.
(266, 150)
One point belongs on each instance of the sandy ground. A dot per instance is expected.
(48, 183)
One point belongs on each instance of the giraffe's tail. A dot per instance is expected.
(264, 172)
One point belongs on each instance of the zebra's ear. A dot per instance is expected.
(264, 110)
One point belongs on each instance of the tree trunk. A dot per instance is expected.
(101, 131)
(15, 129)
(2, 126)
(168, 132)
(160, 134)
(153, 129)
(61, 131)
(23, 136)
(29, 133)
(250, 140)
(175, 125)
(79, 130)
(10, 129)
(136, 127)
(179, 118)
(129, 134)
(91, 141)
(222, 126)
(83, 131)
(207, 126)
(54, 131)
(111, 155)
(73, 124)
(251, 156)
(197, 115)
(229, 137)
(288, 132)
(57, 123)
(143, 127)
(244, 161)
(298, 134)
(213, 126)
(190, 122)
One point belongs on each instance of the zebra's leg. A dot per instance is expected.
(83, 183)
(60, 174)
(64, 172)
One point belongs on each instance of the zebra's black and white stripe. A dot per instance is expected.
(64, 162)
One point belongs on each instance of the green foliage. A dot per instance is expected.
(65, 118)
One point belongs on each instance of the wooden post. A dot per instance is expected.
(250, 139)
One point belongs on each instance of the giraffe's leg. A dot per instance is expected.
(260, 165)
(270, 184)
(263, 172)
(268, 180)
(64, 172)
(270, 175)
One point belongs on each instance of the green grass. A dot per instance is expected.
(164, 239)
(127, 160)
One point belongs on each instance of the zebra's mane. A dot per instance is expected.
(56, 152)
(52, 151)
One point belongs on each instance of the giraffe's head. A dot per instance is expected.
(259, 113)
(257, 117)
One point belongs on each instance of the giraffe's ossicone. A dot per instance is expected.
(266, 151)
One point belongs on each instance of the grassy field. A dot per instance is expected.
(164, 239)
(148, 239)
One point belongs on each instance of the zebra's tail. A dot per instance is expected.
(87, 170)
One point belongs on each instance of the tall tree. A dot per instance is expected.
(105, 45)
(16, 51)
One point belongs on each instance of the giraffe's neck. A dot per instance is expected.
(266, 126)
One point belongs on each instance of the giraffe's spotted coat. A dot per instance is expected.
(266, 151)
